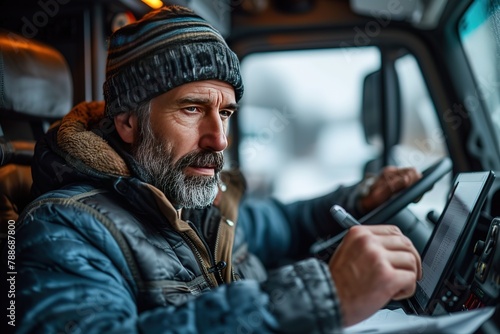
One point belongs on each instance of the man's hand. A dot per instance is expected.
(390, 181)
(373, 265)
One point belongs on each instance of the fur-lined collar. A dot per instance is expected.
(75, 137)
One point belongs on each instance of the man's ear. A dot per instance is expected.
(126, 126)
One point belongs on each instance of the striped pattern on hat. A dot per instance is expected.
(165, 49)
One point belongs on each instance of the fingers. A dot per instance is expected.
(393, 179)
(396, 242)
(406, 261)
(390, 181)
(372, 265)
(407, 280)
(379, 229)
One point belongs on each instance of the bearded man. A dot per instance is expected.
(136, 228)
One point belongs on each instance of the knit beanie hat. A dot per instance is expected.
(167, 48)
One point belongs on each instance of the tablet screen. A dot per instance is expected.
(445, 241)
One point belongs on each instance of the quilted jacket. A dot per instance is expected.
(101, 251)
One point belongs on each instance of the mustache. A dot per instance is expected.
(202, 159)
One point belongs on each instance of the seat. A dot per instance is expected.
(35, 90)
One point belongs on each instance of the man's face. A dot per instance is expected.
(180, 144)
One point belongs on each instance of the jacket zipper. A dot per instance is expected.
(222, 264)
(214, 265)
(199, 259)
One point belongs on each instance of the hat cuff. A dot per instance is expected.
(160, 72)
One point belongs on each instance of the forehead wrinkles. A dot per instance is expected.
(215, 96)
(215, 92)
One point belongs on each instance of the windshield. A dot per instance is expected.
(479, 31)
(308, 122)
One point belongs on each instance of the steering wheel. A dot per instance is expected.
(387, 210)
(381, 214)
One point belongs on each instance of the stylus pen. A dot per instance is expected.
(343, 217)
(345, 220)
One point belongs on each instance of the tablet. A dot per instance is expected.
(441, 258)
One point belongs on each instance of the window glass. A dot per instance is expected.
(301, 129)
(422, 138)
(479, 31)
(299, 120)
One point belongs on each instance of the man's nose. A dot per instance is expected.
(213, 133)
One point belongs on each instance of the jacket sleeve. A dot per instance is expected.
(73, 277)
(298, 298)
(276, 231)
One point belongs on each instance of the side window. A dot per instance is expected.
(301, 125)
(422, 139)
(299, 121)
(479, 31)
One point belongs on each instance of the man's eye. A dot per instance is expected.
(191, 109)
(225, 113)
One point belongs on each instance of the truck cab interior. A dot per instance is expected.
(334, 90)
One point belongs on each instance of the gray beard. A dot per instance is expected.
(184, 191)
